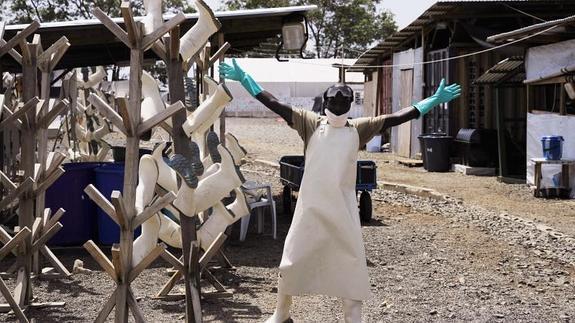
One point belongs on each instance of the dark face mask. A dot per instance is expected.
(338, 105)
(338, 98)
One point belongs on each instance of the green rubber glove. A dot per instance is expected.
(235, 73)
(443, 94)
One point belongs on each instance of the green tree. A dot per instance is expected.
(336, 25)
(24, 11)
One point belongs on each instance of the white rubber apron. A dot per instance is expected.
(323, 252)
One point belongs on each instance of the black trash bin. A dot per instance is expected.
(437, 152)
(422, 145)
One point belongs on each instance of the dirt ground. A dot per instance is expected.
(426, 262)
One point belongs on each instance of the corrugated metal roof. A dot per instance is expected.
(504, 71)
(439, 10)
(523, 32)
(221, 15)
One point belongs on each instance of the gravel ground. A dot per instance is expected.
(458, 259)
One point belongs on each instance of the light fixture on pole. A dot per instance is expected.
(294, 35)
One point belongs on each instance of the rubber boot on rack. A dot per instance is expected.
(147, 179)
(238, 152)
(194, 40)
(215, 187)
(153, 18)
(222, 217)
(209, 110)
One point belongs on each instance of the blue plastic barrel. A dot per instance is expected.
(552, 147)
(109, 177)
(67, 192)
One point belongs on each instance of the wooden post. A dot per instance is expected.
(181, 146)
(222, 80)
(501, 131)
(122, 208)
(23, 292)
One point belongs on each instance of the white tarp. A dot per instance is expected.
(543, 62)
(539, 125)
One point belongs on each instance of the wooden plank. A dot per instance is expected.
(153, 209)
(7, 182)
(169, 285)
(20, 113)
(162, 30)
(16, 123)
(13, 305)
(194, 268)
(116, 260)
(159, 117)
(101, 259)
(56, 160)
(45, 59)
(212, 250)
(169, 257)
(12, 52)
(122, 105)
(12, 196)
(213, 281)
(17, 39)
(46, 120)
(219, 55)
(101, 201)
(47, 236)
(133, 305)
(49, 181)
(54, 261)
(120, 208)
(181, 146)
(147, 261)
(112, 26)
(55, 218)
(107, 111)
(22, 281)
(134, 31)
(159, 49)
(14, 242)
(107, 309)
(36, 228)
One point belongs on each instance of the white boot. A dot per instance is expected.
(217, 223)
(153, 18)
(185, 199)
(170, 231)
(195, 39)
(212, 142)
(213, 188)
(207, 113)
(167, 178)
(352, 311)
(283, 307)
(152, 103)
(147, 178)
(238, 152)
(93, 79)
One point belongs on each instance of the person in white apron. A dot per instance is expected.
(323, 252)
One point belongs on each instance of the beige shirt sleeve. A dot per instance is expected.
(304, 122)
(367, 128)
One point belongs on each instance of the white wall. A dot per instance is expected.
(539, 125)
(298, 94)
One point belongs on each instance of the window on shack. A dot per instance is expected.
(551, 98)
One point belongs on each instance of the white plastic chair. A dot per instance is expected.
(258, 201)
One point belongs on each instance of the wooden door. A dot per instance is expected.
(404, 130)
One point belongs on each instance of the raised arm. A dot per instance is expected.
(234, 72)
(443, 94)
